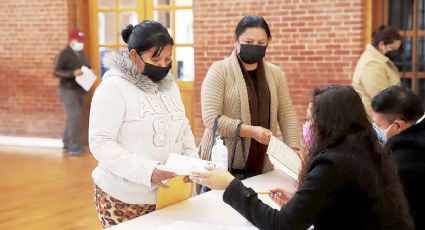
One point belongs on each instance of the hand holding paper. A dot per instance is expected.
(159, 176)
(87, 79)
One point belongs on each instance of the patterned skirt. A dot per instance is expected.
(112, 211)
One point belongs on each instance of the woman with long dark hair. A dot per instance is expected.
(349, 180)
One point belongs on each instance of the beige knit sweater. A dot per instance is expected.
(224, 93)
(374, 73)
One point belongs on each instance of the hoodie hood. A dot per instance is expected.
(121, 65)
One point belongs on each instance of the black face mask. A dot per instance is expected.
(155, 73)
(251, 54)
(393, 55)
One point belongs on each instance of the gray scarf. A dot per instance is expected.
(130, 72)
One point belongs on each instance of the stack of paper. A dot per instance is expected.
(87, 79)
(185, 165)
(284, 158)
(190, 225)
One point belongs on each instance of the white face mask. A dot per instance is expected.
(77, 46)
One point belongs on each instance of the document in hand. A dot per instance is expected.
(284, 158)
(177, 191)
(184, 165)
(87, 79)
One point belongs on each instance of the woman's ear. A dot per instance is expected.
(133, 55)
(235, 42)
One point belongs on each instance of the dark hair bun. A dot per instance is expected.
(382, 27)
(125, 33)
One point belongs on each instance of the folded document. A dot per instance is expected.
(284, 158)
(185, 165)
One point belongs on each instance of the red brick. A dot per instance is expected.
(316, 43)
(30, 37)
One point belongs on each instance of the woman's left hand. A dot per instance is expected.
(213, 178)
(280, 196)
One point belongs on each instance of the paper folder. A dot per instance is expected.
(176, 192)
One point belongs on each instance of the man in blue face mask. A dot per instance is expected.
(399, 114)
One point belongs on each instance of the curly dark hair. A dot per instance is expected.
(339, 117)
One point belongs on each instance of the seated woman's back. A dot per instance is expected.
(349, 180)
(366, 192)
(356, 195)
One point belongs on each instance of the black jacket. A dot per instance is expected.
(66, 62)
(340, 191)
(408, 148)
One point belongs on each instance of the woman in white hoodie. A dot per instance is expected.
(137, 119)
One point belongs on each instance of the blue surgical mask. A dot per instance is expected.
(382, 133)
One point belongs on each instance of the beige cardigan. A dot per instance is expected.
(374, 73)
(224, 93)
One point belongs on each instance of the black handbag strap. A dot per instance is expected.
(214, 130)
(235, 141)
(214, 133)
(236, 138)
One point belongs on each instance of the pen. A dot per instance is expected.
(263, 193)
(267, 193)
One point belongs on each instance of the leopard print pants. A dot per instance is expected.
(112, 211)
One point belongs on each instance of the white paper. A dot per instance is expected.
(185, 165)
(87, 79)
(190, 225)
(284, 158)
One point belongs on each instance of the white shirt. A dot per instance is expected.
(130, 132)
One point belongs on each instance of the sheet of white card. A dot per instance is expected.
(284, 158)
(87, 79)
(184, 165)
(190, 225)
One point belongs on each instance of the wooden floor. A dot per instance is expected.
(46, 189)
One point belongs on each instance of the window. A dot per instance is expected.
(408, 16)
(177, 16)
(114, 15)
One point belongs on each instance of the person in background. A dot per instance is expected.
(349, 180)
(67, 67)
(375, 71)
(399, 113)
(137, 119)
(249, 92)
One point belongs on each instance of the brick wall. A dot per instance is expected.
(31, 34)
(316, 43)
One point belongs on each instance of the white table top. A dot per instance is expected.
(209, 207)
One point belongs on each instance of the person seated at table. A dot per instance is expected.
(399, 113)
(349, 180)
